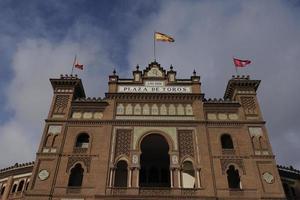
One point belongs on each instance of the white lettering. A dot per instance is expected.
(151, 89)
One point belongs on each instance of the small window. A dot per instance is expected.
(83, 141)
(2, 190)
(188, 175)
(76, 176)
(27, 185)
(14, 188)
(233, 178)
(286, 189)
(293, 191)
(226, 142)
(20, 187)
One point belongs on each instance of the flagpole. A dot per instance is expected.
(73, 64)
(154, 46)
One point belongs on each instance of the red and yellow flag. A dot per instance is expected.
(163, 37)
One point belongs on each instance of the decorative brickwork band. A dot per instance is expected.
(123, 143)
(249, 105)
(186, 145)
(86, 160)
(226, 162)
(61, 103)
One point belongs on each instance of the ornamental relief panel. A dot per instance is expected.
(222, 116)
(259, 141)
(154, 109)
(238, 162)
(170, 132)
(186, 144)
(86, 160)
(60, 105)
(249, 105)
(86, 115)
(123, 142)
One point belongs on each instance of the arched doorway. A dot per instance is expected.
(155, 162)
(121, 174)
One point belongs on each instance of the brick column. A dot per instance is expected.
(198, 178)
(7, 188)
(176, 177)
(135, 176)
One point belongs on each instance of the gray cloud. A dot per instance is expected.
(208, 34)
(29, 92)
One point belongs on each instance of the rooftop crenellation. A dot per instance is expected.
(69, 76)
(16, 166)
(242, 77)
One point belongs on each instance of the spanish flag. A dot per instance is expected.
(163, 37)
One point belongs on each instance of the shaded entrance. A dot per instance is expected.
(155, 162)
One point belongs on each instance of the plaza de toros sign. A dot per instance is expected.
(153, 87)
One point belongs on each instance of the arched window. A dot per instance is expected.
(233, 178)
(76, 176)
(189, 109)
(286, 190)
(137, 109)
(48, 140)
(128, 110)
(180, 110)
(121, 174)
(163, 109)
(146, 109)
(55, 141)
(27, 185)
(14, 188)
(2, 190)
(120, 109)
(83, 141)
(188, 175)
(172, 110)
(154, 110)
(20, 187)
(226, 142)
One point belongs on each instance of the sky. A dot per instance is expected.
(38, 41)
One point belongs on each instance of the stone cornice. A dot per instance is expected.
(89, 102)
(187, 123)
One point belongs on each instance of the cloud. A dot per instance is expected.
(29, 93)
(209, 33)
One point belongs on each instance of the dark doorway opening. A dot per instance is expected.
(155, 162)
(121, 174)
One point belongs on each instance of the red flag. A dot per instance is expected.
(241, 63)
(76, 64)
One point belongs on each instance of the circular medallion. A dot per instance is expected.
(268, 177)
(43, 174)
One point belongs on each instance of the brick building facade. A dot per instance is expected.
(154, 136)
